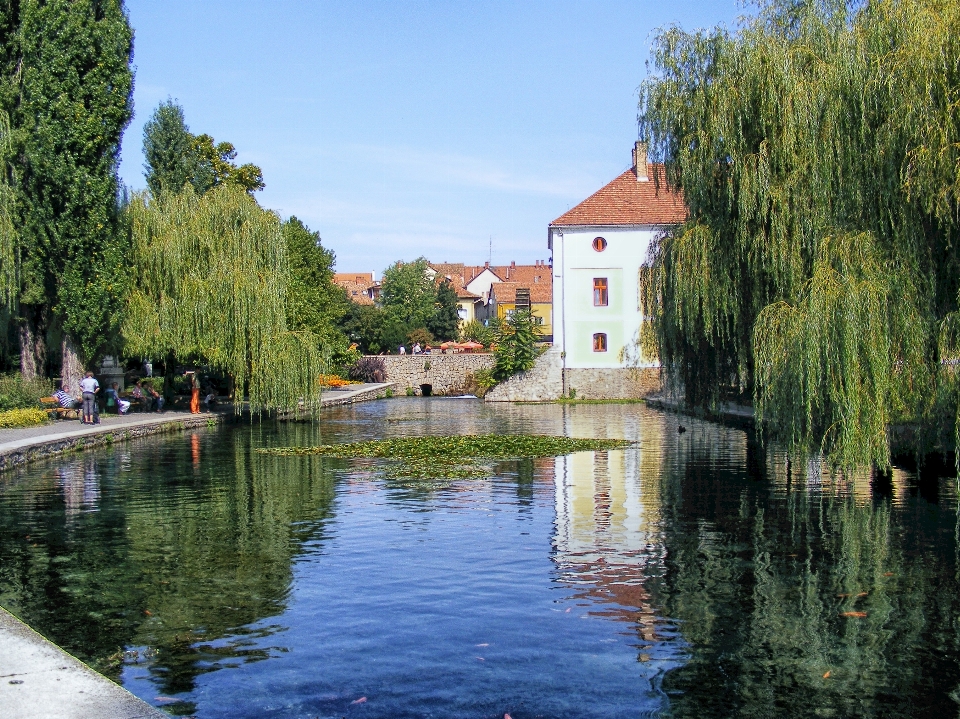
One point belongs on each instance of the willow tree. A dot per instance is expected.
(818, 151)
(209, 285)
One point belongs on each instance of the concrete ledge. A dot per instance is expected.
(28, 449)
(39, 680)
(348, 395)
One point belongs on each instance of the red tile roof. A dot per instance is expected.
(625, 201)
(506, 292)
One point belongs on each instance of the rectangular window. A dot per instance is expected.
(600, 342)
(600, 292)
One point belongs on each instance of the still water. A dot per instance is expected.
(691, 575)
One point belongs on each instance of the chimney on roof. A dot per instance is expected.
(513, 265)
(486, 264)
(640, 161)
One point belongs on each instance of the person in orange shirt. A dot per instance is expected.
(194, 392)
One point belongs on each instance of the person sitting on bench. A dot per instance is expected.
(65, 400)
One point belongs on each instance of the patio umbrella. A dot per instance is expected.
(471, 345)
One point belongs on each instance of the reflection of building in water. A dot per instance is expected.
(80, 483)
(607, 536)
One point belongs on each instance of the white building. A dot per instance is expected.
(598, 248)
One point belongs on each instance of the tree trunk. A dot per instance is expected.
(72, 370)
(33, 348)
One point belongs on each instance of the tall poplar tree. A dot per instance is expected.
(73, 101)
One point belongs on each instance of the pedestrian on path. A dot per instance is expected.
(90, 387)
(194, 392)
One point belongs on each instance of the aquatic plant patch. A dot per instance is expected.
(450, 457)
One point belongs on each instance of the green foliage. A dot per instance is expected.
(215, 167)
(314, 303)
(18, 393)
(168, 150)
(364, 325)
(210, 282)
(476, 331)
(816, 149)
(451, 456)
(516, 348)
(445, 320)
(421, 335)
(408, 296)
(74, 102)
(175, 157)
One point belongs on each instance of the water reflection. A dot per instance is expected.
(168, 567)
(694, 574)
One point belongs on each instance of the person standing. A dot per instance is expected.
(90, 387)
(194, 393)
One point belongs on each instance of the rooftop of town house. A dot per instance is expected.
(538, 272)
(358, 278)
(631, 199)
(505, 293)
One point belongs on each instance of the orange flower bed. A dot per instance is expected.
(331, 380)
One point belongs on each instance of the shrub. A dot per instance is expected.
(15, 393)
(30, 417)
(421, 335)
(480, 382)
(368, 369)
(477, 332)
(517, 338)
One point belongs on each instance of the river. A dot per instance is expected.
(693, 574)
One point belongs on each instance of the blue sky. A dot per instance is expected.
(399, 129)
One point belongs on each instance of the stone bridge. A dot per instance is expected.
(435, 373)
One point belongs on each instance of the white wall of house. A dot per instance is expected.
(481, 284)
(575, 317)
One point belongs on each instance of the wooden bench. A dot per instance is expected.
(51, 405)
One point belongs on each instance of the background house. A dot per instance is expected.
(598, 248)
(475, 285)
(361, 287)
(532, 289)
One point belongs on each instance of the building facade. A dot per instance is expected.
(598, 248)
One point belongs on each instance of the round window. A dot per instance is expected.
(599, 244)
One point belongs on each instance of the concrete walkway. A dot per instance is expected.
(38, 680)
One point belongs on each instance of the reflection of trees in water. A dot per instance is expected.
(176, 560)
(760, 575)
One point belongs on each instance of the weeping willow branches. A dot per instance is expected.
(210, 283)
(819, 154)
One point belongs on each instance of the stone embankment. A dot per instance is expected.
(19, 447)
(39, 680)
(541, 383)
(548, 380)
(434, 374)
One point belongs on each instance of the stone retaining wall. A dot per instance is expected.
(445, 374)
(614, 383)
(543, 382)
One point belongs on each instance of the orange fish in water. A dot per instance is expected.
(858, 615)
(888, 574)
(148, 612)
(826, 674)
(361, 700)
(507, 716)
